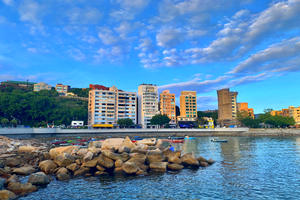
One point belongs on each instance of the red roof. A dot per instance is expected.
(98, 87)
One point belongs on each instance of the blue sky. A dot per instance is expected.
(251, 46)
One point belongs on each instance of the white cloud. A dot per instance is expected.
(107, 36)
(84, 15)
(169, 37)
(276, 56)
(77, 54)
(8, 2)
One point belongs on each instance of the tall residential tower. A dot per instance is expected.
(188, 106)
(147, 103)
(107, 105)
(227, 107)
(167, 105)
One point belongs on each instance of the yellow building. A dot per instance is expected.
(244, 107)
(295, 113)
(188, 106)
(167, 105)
(291, 111)
(62, 89)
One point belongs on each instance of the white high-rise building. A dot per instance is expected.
(108, 105)
(147, 103)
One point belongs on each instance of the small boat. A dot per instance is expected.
(189, 138)
(177, 141)
(216, 140)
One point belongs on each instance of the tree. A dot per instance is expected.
(212, 114)
(4, 122)
(125, 122)
(160, 120)
(13, 122)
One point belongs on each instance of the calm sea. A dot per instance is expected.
(245, 168)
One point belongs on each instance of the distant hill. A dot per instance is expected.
(39, 108)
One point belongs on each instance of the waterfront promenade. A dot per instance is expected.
(32, 132)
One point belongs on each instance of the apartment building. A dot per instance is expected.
(295, 113)
(227, 107)
(41, 86)
(108, 105)
(188, 106)
(147, 103)
(243, 107)
(167, 105)
(62, 89)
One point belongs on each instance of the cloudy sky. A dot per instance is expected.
(251, 46)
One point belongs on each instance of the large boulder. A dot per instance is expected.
(88, 156)
(81, 171)
(25, 170)
(47, 166)
(82, 152)
(64, 159)
(7, 195)
(174, 167)
(147, 141)
(13, 162)
(158, 166)
(95, 144)
(118, 163)
(124, 156)
(189, 160)
(210, 161)
(21, 188)
(63, 174)
(100, 168)
(112, 143)
(126, 146)
(155, 156)
(137, 157)
(13, 179)
(173, 157)
(130, 167)
(91, 163)
(203, 164)
(39, 179)
(105, 161)
(27, 149)
(201, 159)
(61, 150)
(73, 167)
(111, 155)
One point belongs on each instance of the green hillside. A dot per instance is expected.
(36, 109)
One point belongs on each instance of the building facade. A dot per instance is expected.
(227, 107)
(188, 106)
(62, 89)
(147, 103)
(295, 113)
(41, 86)
(167, 105)
(243, 107)
(108, 105)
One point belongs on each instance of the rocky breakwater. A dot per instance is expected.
(109, 157)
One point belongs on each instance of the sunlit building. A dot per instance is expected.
(41, 86)
(227, 107)
(147, 103)
(108, 105)
(167, 105)
(62, 89)
(188, 106)
(243, 107)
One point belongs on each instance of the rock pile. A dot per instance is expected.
(112, 156)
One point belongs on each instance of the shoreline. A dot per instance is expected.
(28, 133)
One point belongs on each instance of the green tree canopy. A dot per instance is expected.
(14, 122)
(125, 122)
(160, 120)
(4, 122)
(40, 108)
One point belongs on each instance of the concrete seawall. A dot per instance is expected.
(57, 132)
